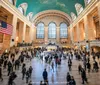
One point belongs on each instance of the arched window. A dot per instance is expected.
(73, 16)
(79, 8)
(63, 30)
(22, 8)
(52, 30)
(29, 16)
(12, 1)
(40, 30)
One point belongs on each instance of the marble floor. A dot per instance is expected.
(58, 77)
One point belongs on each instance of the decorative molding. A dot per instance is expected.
(54, 13)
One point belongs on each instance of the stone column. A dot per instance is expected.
(86, 28)
(71, 33)
(78, 32)
(13, 37)
(58, 34)
(34, 34)
(24, 30)
(30, 34)
(46, 34)
(99, 12)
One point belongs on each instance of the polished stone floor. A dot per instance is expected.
(58, 77)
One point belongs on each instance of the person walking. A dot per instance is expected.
(1, 72)
(17, 64)
(68, 78)
(10, 68)
(83, 76)
(45, 75)
(69, 64)
(30, 83)
(79, 68)
(88, 66)
(23, 72)
(11, 78)
(27, 76)
(30, 71)
(72, 81)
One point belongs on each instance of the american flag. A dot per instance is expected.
(6, 28)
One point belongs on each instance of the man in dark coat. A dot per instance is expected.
(45, 75)
(11, 78)
(23, 72)
(1, 73)
(83, 75)
(69, 64)
(10, 67)
(17, 64)
(30, 71)
(68, 78)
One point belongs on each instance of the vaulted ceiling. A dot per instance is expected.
(37, 6)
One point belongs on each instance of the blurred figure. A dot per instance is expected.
(1, 72)
(45, 75)
(30, 71)
(79, 68)
(11, 78)
(72, 81)
(83, 75)
(68, 78)
(27, 76)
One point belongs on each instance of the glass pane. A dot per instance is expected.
(63, 30)
(52, 30)
(40, 30)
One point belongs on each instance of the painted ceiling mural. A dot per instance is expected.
(37, 6)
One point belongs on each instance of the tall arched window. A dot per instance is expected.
(79, 8)
(63, 30)
(40, 30)
(52, 30)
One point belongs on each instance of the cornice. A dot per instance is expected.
(55, 13)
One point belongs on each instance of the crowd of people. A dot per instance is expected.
(53, 58)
